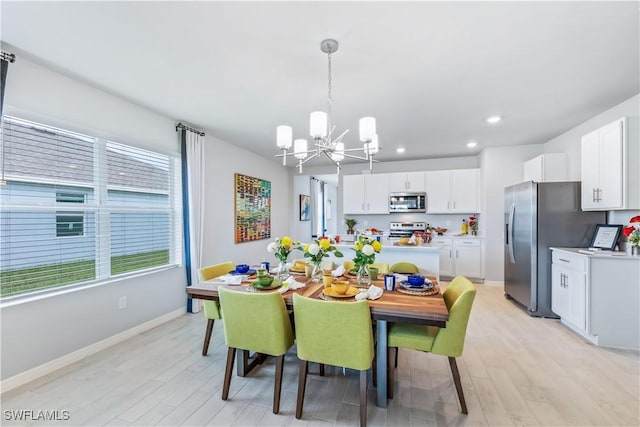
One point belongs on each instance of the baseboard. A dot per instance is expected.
(495, 283)
(53, 365)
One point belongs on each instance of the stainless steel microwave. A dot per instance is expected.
(407, 202)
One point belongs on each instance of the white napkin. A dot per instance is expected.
(290, 283)
(338, 271)
(372, 293)
(230, 279)
(412, 240)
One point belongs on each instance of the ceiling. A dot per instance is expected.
(430, 72)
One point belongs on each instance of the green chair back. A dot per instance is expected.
(334, 333)
(405, 268)
(459, 297)
(256, 321)
(383, 267)
(212, 308)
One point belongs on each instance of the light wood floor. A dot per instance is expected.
(515, 370)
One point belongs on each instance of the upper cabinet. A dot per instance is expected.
(406, 182)
(550, 167)
(610, 173)
(365, 194)
(452, 191)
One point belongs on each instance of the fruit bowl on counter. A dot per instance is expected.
(439, 230)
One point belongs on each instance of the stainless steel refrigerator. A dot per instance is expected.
(537, 216)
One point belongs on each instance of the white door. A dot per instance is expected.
(576, 285)
(590, 169)
(398, 182)
(376, 193)
(415, 181)
(468, 258)
(464, 193)
(559, 292)
(437, 185)
(353, 194)
(610, 194)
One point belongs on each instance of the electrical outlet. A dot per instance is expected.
(122, 302)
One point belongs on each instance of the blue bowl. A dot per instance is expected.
(242, 268)
(415, 279)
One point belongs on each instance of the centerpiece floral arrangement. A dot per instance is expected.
(281, 249)
(632, 232)
(366, 249)
(316, 251)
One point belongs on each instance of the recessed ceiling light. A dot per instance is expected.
(471, 144)
(121, 173)
(493, 119)
(400, 150)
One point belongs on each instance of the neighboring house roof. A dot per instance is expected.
(35, 152)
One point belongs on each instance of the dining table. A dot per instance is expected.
(393, 306)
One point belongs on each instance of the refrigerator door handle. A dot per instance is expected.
(512, 214)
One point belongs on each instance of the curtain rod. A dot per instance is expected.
(5, 56)
(185, 127)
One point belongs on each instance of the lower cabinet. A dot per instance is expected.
(460, 257)
(597, 296)
(569, 289)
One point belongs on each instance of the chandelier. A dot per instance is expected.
(321, 130)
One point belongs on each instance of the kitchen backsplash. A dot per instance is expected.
(453, 222)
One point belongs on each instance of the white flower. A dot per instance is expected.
(272, 247)
(367, 250)
(314, 249)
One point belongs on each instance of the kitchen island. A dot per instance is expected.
(426, 256)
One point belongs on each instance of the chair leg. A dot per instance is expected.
(390, 371)
(278, 384)
(207, 337)
(396, 357)
(322, 369)
(231, 355)
(302, 380)
(374, 371)
(456, 380)
(363, 398)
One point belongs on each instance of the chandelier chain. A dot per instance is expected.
(329, 99)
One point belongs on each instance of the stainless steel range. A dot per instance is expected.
(398, 230)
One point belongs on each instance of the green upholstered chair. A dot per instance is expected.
(350, 347)
(212, 308)
(405, 268)
(257, 322)
(448, 341)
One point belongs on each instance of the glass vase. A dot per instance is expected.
(282, 272)
(363, 278)
(316, 273)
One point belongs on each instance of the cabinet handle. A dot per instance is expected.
(563, 260)
(449, 253)
(363, 207)
(448, 204)
(368, 207)
(457, 254)
(454, 204)
(593, 195)
(561, 280)
(598, 191)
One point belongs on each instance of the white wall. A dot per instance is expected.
(37, 332)
(222, 162)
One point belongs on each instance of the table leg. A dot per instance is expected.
(245, 362)
(381, 360)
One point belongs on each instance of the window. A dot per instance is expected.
(77, 209)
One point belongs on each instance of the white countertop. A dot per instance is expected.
(599, 254)
(389, 246)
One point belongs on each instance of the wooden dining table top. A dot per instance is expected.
(392, 306)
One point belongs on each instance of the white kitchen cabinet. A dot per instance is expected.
(365, 194)
(452, 191)
(406, 182)
(446, 255)
(549, 167)
(460, 257)
(609, 167)
(468, 257)
(597, 295)
(568, 289)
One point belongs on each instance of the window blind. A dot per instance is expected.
(77, 209)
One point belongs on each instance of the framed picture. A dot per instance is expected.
(305, 207)
(605, 236)
(252, 208)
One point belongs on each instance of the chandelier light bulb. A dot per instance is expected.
(367, 128)
(373, 147)
(284, 135)
(338, 154)
(300, 148)
(318, 124)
